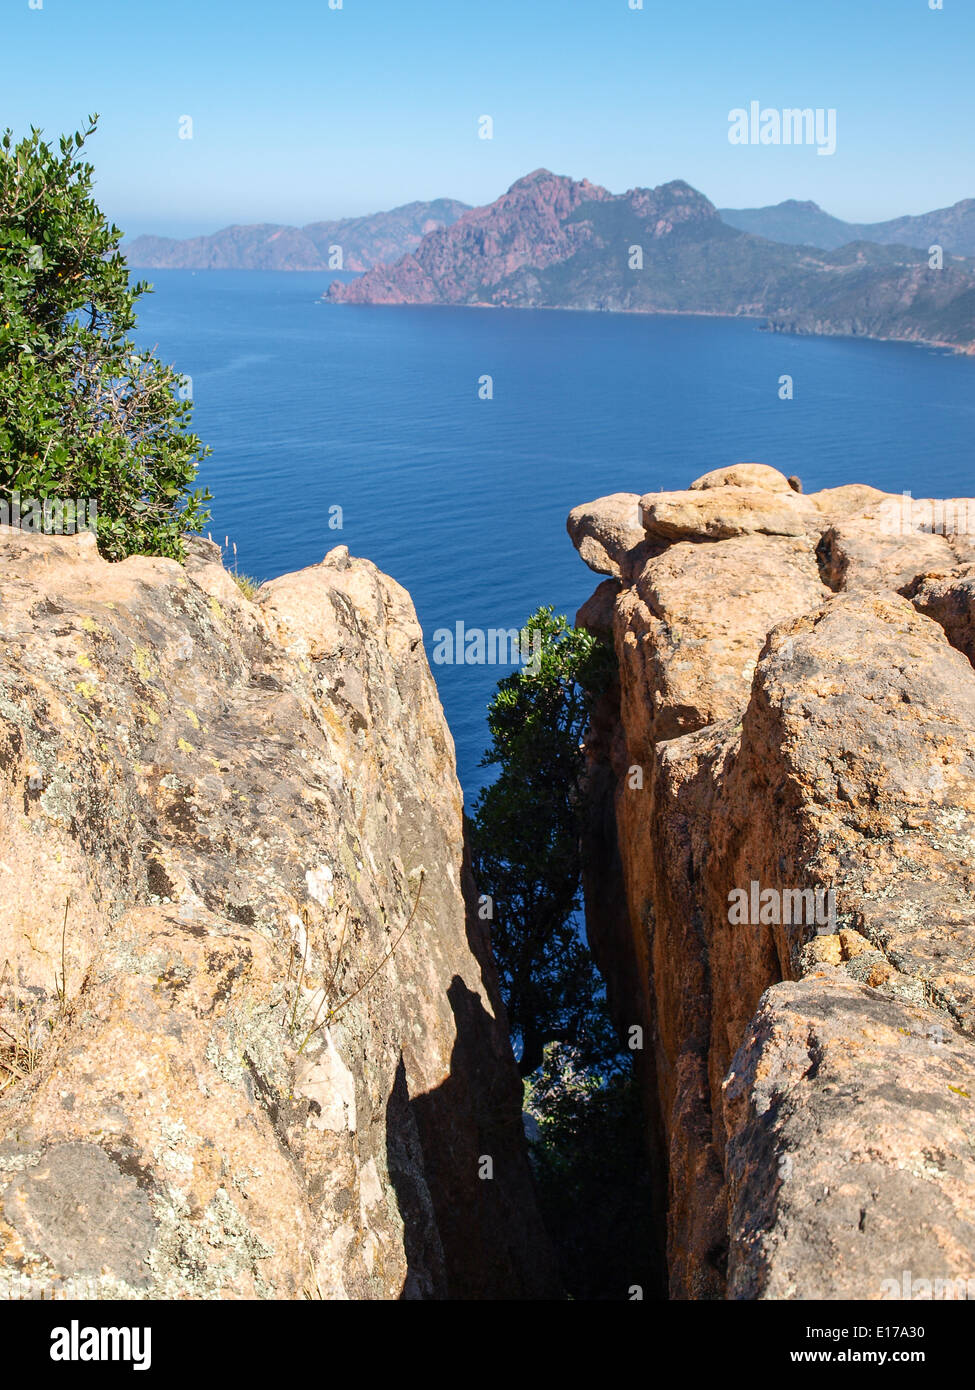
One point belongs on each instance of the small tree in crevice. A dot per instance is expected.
(525, 849)
(583, 1112)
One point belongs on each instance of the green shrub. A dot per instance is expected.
(83, 414)
(588, 1148)
(524, 834)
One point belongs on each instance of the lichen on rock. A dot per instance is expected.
(794, 715)
(214, 817)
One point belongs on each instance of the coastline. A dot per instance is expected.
(958, 349)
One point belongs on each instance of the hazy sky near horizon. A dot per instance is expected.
(301, 112)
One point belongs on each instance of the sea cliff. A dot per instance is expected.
(252, 1041)
(779, 882)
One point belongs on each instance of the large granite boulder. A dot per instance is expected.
(253, 1044)
(780, 885)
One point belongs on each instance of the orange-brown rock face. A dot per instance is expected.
(252, 1043)
(791, 773)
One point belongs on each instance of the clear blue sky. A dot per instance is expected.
(301, 112)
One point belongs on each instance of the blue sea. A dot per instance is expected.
(309, 406)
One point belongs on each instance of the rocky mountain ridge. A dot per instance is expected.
(552, 242)
(806, 224)
(363, 241)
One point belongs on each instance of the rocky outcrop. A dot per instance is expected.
(788, 764)
(850, 1153)
(252, 1044)
(950, 600)
(719, 513)
(609, 534)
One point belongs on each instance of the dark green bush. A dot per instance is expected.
(524, 835)
(83, 414)
(588, 1147)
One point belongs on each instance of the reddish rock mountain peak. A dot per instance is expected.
(526, 227)
(529, 228)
